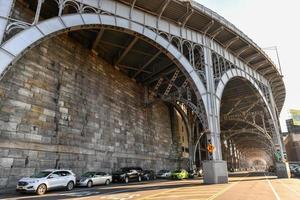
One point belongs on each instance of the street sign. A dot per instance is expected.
(210, 148)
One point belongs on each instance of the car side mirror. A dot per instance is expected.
(49, 177)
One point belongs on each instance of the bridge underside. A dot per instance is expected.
(100, 96)
(245, 126)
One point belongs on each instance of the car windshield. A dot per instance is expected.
(88, 174)
(125, 169)
(41, 174)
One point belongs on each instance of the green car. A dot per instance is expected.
(179, 174)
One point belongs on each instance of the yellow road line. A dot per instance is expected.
(170, 196)
(156, 194)
(222, 191)
(203, 189)
(227, 188)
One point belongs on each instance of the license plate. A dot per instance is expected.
(20, 187)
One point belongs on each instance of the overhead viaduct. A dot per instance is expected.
(101, 84)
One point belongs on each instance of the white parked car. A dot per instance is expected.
(46, 180)
(164, 173)
(89, 179)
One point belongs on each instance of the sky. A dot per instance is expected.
(270, 23)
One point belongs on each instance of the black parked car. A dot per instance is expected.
(127, 174)
(297, 172)
(192, 173)
(149, 175)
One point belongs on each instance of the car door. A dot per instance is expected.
(133, 174)
(97, 178)
(53, 180)
(64, 178)
(103, 177)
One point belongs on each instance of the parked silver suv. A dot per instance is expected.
(46, 180)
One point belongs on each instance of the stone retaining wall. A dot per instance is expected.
(61, 106)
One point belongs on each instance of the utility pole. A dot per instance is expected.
(274, 48)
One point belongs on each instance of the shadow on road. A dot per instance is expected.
(127, 189)
(113, 189)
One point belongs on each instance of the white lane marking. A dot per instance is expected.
(273, 189)
(74, 193)
(121, 196)
(290, 188)
(113, 192)
(80, 194)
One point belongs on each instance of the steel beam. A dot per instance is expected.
(97, 40)
(162, 8)
(157, 74)
(258, 65)
(187, 15)
(207, 26)
(171, 82)
(252, 57)
(231, 41)
(217, 32)
(134, 68)
(123, 47)
(147, 64)
(124, 53)
(38, 11)
(241, 50)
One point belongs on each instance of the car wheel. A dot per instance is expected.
(42, 189)
(139, 178)
(70, 185)
(126, 180)
(107, 182)
(89, 184)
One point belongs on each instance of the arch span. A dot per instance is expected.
(235, 73)
(14, 48)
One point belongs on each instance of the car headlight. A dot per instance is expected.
(31, 182)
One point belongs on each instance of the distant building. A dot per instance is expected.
(292, 141)
(291, 127)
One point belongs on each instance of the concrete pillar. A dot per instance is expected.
(235, 157)
(215, 169)
(283, 170)
(230, 154)
(5, 10)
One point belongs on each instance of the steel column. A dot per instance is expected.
(213, 118)
(5, 10)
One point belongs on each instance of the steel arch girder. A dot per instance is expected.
(233, 73)
(249, 132)
(14, 48)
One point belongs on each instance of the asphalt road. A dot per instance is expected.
(241, 187)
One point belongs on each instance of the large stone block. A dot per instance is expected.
(3, 182)
(6, 162)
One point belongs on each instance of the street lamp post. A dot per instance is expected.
(274, 48)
